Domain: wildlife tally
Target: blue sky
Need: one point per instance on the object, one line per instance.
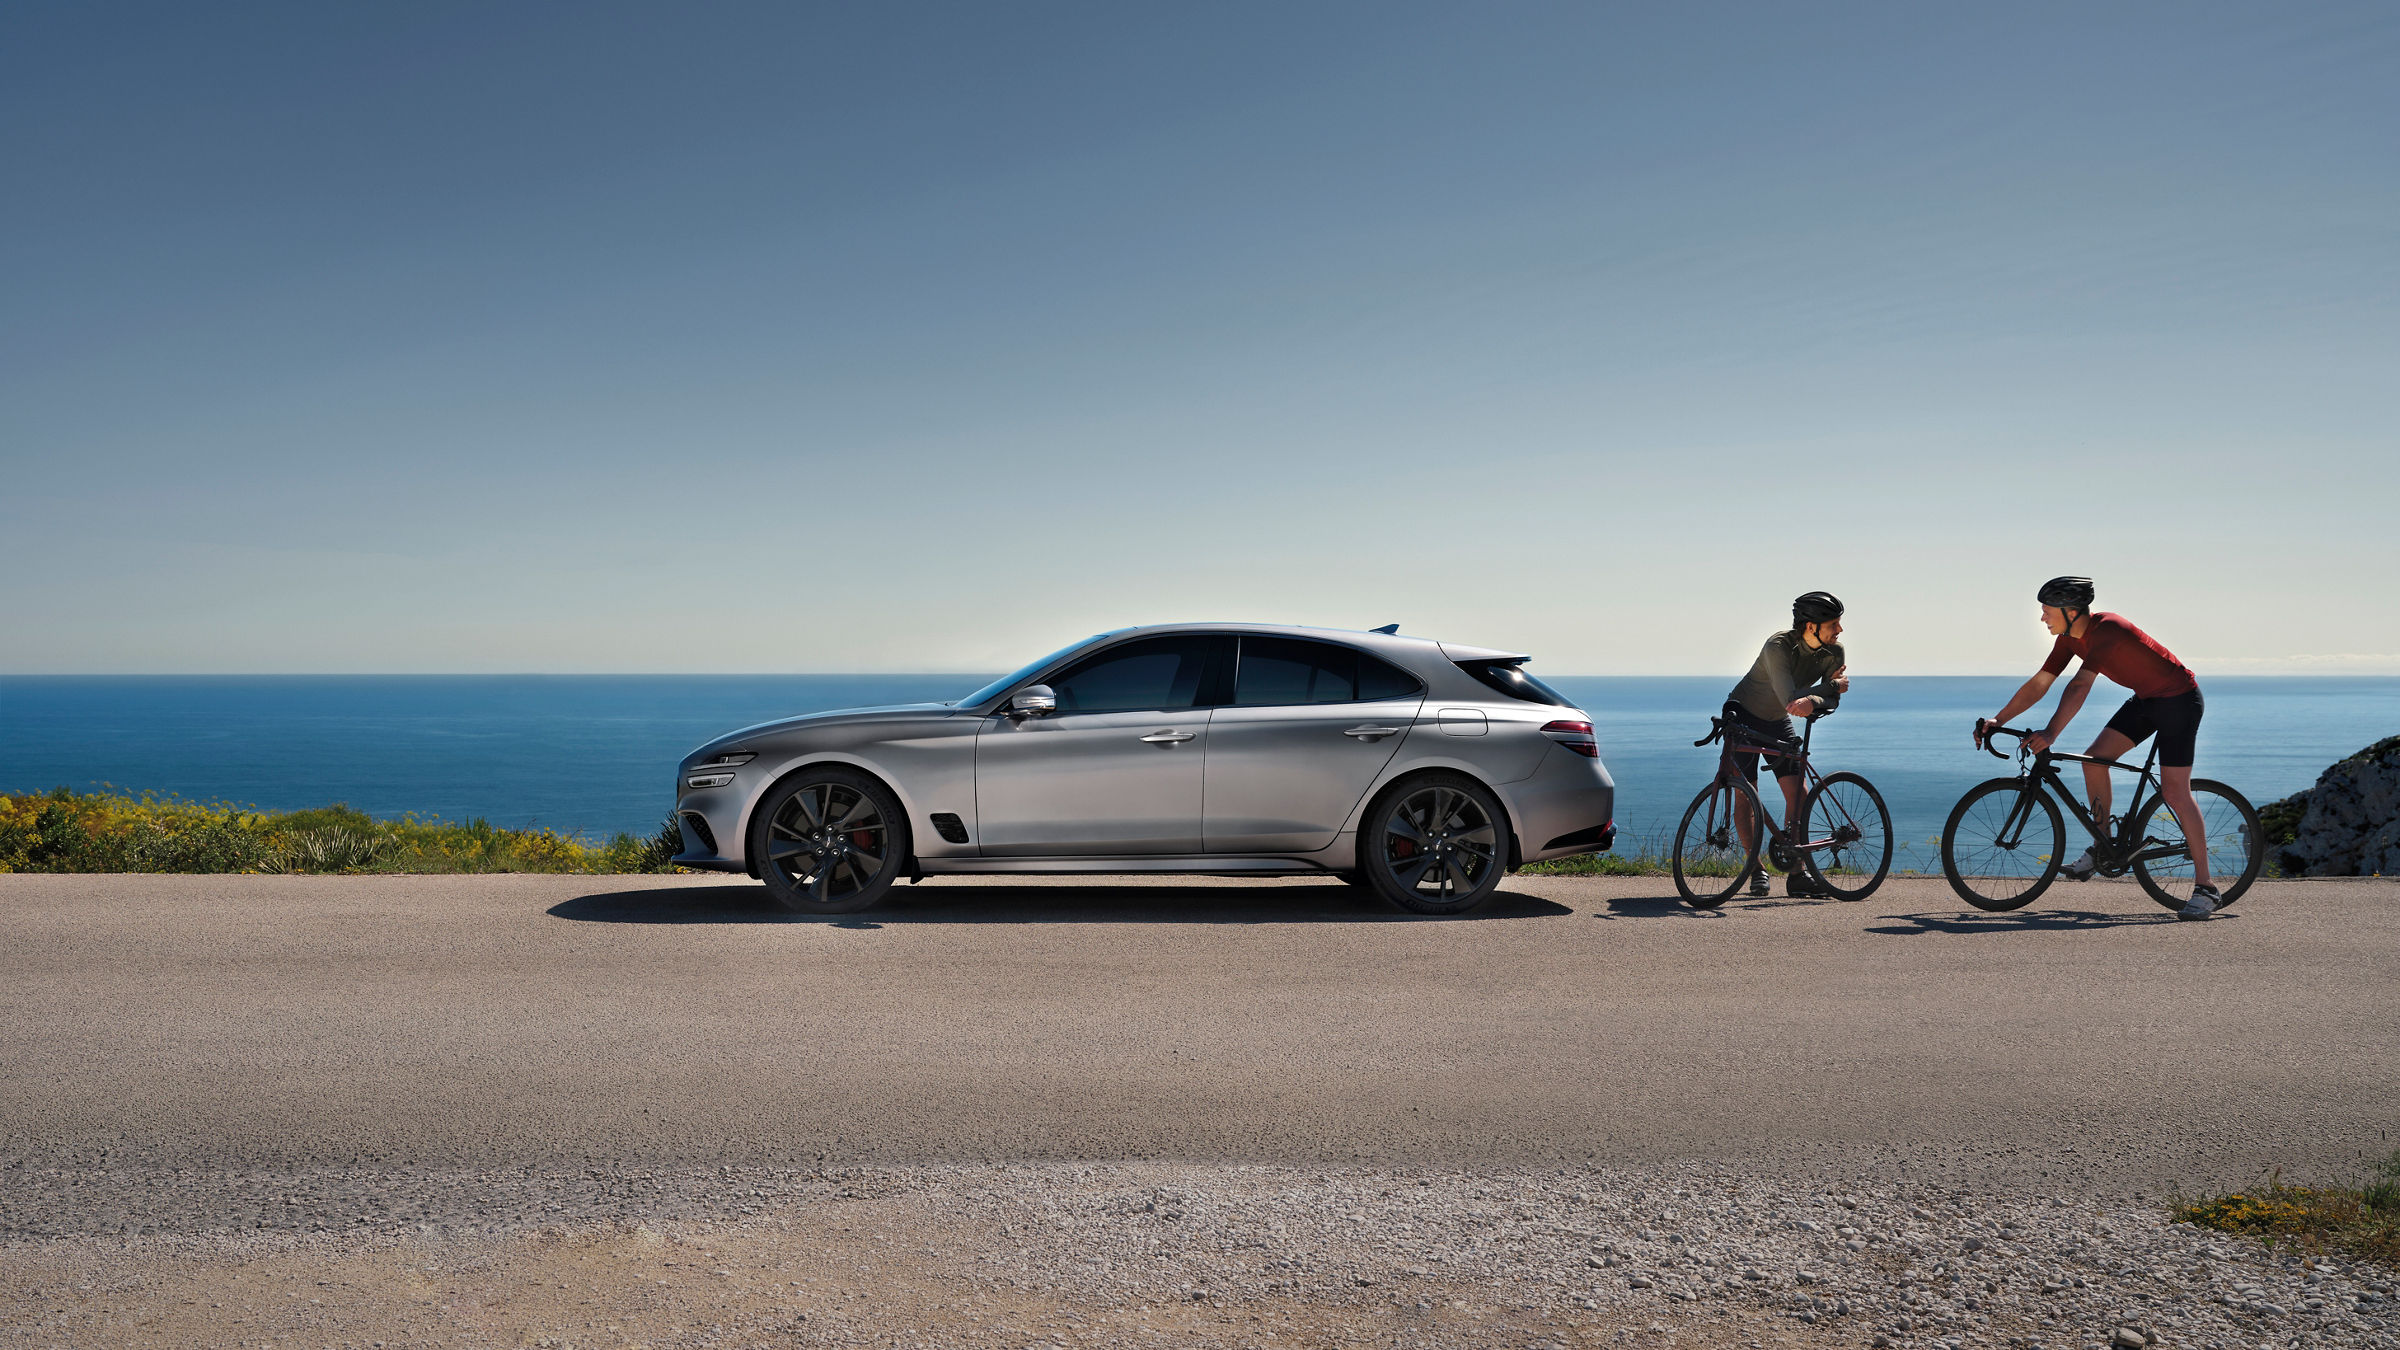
(741, 338)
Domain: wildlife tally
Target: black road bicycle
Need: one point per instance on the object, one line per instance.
(1844, 841)
(2005, 840)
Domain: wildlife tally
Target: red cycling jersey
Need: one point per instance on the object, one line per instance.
(2125, 654)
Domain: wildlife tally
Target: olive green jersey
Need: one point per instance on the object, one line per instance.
(1787, 669)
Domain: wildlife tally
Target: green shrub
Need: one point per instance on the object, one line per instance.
(63, 831)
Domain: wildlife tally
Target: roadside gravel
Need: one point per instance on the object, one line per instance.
(1070, 1254)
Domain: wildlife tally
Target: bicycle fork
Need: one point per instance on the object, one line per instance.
(2012, 830)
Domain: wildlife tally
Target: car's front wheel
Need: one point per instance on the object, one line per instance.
(1435, 844)
(829, 841)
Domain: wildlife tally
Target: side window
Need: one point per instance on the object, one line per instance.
(1283, 671)
(1161, 673)
(1377, 680)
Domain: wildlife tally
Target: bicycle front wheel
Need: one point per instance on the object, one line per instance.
(1711, 856)
(1847, 813)
(2236, 853)
(2000, 847)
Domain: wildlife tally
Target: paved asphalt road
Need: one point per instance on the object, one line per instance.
(193, 1027)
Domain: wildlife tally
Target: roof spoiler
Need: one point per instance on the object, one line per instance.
(1458, 653)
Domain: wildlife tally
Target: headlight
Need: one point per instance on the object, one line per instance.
(717, 770)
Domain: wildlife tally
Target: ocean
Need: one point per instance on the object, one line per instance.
(595, 754)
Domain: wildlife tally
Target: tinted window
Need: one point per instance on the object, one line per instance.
(1277, 671)
(1009, 681)
(1163, 672)
(1377, 680)
(1510, 678)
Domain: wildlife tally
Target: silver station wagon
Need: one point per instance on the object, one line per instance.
(1423, 770)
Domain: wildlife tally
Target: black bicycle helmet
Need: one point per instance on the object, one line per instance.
(2067, 592)
(1816, 607)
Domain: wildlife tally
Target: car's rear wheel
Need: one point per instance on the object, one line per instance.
(829, 841)
(1435, 844)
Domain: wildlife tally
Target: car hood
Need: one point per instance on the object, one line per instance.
(750, 737)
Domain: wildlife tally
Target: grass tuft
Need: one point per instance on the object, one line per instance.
(2361, 1221)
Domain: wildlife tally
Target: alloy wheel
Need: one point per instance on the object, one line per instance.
(1439, 844)
(828, 842)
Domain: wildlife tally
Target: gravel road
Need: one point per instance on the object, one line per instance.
(497, 1110)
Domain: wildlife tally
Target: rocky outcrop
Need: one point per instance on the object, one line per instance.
(2348, 825)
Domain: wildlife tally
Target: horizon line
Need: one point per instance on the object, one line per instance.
(2315, 668)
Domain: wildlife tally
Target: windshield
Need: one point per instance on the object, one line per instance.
(1027, 671)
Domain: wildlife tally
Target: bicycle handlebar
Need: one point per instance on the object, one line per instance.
(1990, 728)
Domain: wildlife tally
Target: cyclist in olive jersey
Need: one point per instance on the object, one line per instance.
(1798, 673)
(2166, 702)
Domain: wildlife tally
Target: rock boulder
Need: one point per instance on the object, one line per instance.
(2348, 825)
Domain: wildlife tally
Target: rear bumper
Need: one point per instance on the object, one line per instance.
(1566, 807)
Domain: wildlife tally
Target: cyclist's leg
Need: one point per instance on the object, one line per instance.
(2175, 784)
(2178, 730)
(1745, 821)
(2129, 728)
(1790, 775)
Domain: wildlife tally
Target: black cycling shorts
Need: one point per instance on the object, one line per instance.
(1742, 726)
(2175, 719)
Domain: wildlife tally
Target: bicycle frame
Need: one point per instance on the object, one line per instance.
(1810, 779)
(2042, 771)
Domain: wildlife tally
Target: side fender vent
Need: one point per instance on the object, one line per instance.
(949, 827)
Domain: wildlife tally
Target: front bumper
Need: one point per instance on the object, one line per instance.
(711, 821)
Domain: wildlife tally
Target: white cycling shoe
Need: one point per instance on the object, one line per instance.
(2082, 869)
(2203, 903)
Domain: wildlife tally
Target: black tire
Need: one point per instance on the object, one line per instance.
(2233, 835)
(829, 841)
(1435, 844)
(1993, 873)
(1847, 808)
(1711, 858)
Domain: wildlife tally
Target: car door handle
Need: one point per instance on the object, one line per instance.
(1167, 737)
(1372, 733)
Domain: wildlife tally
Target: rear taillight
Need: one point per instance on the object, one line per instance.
(1575, 736)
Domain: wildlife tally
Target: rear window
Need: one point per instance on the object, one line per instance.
(1510, 678)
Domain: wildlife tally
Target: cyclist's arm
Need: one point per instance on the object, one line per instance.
(2069, 704)
(1787, 689)
(2026, 696)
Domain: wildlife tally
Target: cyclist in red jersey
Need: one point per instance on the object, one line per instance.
(2166, 702)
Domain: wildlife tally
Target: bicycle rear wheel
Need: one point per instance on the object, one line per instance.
(2236, 853)
(2000, 847)
(1847, 810)
(1711, 858)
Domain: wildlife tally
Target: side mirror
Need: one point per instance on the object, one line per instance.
(1034, 700)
